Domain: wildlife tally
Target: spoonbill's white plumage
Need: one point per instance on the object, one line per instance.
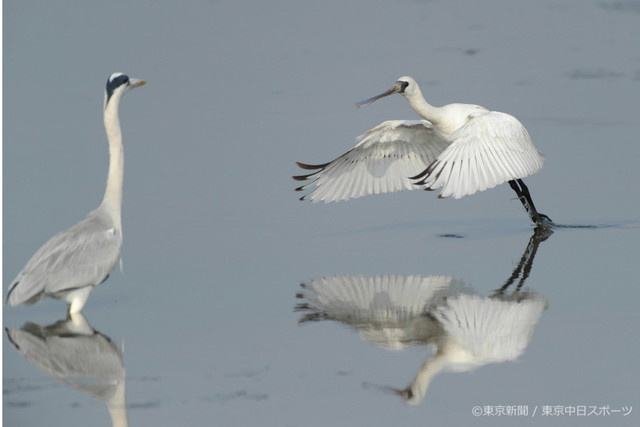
(458, 148)
(75, 260)
(395, 312)
(382, 162)
(388, 311)
(477, 331)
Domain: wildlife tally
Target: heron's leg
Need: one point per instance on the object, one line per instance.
(77, 298)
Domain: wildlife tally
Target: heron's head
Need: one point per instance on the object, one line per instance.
(118, 84)
(405, 86)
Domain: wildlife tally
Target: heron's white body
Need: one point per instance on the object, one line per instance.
(75, 260)
(461, 148)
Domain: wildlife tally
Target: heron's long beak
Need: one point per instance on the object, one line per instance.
(395, 89)
(137, 82)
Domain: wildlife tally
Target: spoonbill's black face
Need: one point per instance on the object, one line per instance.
(401, 86)
(406, 86)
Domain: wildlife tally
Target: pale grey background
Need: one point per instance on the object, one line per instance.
(216, 242)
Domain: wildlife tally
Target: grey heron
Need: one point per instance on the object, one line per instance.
(461, 148)
(75, 260)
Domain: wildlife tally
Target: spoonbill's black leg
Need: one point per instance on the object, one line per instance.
(524, 267)
(525, 198)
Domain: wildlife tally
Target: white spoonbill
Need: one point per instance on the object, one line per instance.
(477, 331)
(461, 148)
(75, 260)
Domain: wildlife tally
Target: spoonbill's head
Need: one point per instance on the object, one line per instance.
(406, 86)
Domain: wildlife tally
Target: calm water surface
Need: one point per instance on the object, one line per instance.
(240, 305)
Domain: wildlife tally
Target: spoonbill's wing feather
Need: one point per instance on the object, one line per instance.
(491, 330)
(383, 298)
(389, 311)
(492, 148)
(82, 255)
(382, 162)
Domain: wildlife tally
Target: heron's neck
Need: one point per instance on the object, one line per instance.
(112, 200)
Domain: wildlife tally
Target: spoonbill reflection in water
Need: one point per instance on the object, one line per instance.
(395, 312)
(460, 148)
(466, 330)
(75, 260)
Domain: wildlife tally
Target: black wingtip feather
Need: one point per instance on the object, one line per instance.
(311, 167)
(11, 288)
(303, 177)
(421, 174)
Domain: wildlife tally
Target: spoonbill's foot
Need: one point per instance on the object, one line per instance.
(544, 221)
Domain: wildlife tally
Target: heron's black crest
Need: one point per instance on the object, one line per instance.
(115, 81)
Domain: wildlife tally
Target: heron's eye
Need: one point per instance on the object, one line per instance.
(403, 86)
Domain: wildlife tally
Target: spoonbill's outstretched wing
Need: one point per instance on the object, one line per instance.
(382, 162)
(490, 149)
(389, 311)
(490, 330)
(382, 299)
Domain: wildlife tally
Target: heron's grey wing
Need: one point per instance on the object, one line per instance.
(382, 162)
(492, 148)
(82, 255)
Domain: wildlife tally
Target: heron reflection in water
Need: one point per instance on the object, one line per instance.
(73, 353)
(467, 331)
